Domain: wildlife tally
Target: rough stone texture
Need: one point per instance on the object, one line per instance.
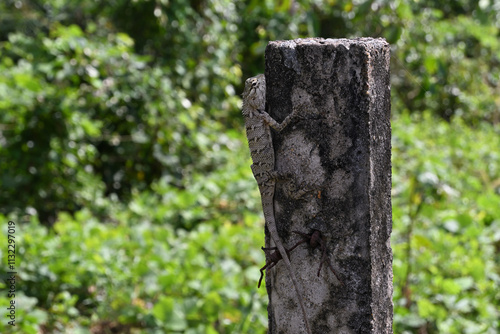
(338, 150)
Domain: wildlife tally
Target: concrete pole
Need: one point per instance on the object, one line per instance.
(337, 158)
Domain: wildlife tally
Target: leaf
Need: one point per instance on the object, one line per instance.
(450, 286)
(170, 312)
(425, 308)
(452, 225)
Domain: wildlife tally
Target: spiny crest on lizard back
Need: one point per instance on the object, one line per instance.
(254, 94)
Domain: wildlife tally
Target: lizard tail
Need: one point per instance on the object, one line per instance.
(271, 226)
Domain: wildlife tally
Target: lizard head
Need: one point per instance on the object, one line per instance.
(254, 95)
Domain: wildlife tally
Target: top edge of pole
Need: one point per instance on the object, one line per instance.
(367, 41)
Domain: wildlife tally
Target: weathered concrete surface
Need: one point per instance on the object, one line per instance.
(338, 150)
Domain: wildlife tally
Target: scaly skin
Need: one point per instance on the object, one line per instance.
(258, 125)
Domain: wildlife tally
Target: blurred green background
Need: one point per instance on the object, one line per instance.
(124, 162)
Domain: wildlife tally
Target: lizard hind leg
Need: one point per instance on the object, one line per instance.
(274, 258)
(333, 271)
(267, 266)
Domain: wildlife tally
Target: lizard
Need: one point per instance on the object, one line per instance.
(258, 124)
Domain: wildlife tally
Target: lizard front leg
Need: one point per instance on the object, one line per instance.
(273, 123)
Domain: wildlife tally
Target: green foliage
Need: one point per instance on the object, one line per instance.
(455, 72)
(102, 108)
(137, 275)
(446, 221)
(127, 140)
